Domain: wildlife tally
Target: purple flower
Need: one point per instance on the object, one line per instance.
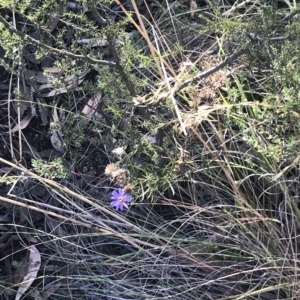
(120, 198)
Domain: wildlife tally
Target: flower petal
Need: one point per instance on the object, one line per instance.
(127, 198)
(120, 205)
(122, 192)
(125, 205)
(115, 203)
(115, 195)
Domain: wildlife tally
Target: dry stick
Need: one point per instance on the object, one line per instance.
(179, 86)
(18, 107)
(53, 50)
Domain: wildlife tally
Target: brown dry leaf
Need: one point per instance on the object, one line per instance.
(70, 83)
(56, 142)
(43, 109)
(92, 105)
(36, 76)
(52, 23)
(101, 42)
(33, 266)
(22, 270)
(56, 136)
(53, 70)
(47, 60)
(55, 93)
(193, 7)
(74, 82)
(30, 56)
(23, 124)
(48, 291)
(46, 86)
(97, 16)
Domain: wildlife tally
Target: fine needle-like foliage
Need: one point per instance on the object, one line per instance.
(150, 149)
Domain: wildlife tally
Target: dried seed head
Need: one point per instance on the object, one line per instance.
(120, 176)
(116, 174)
(119, 152)
(128, 188)
(110, 169)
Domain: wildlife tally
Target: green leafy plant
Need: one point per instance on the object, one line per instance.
(54, 169)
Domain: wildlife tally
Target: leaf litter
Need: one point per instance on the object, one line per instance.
(30, 271)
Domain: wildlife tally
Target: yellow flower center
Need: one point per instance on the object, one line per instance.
(121, 199)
